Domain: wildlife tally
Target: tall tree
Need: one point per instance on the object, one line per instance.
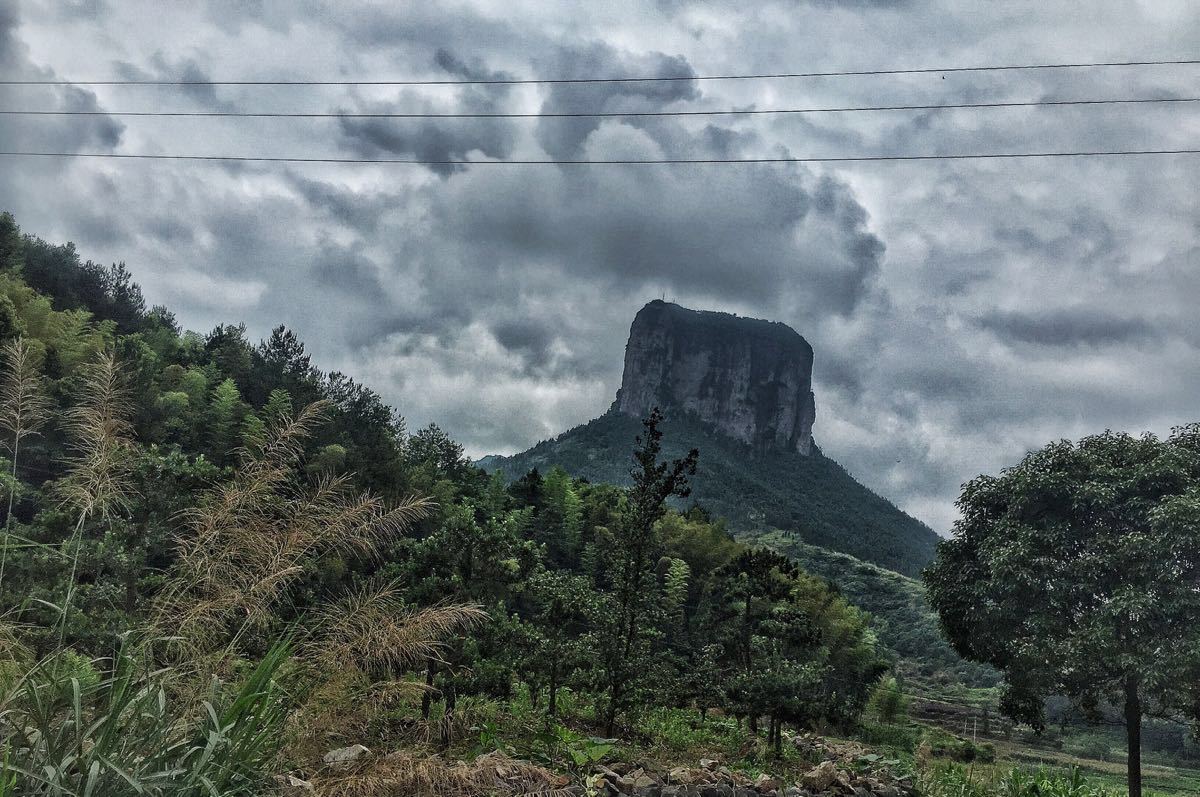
(653, 483)
(1077, 572)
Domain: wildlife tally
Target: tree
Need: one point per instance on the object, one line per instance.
(1075, 572)
(225, 413)
(653, 483)
(561, 607)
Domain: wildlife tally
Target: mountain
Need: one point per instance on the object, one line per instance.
(740, 390)
(750, 379)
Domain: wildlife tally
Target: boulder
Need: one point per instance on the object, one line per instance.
(765, 782)
(820, 777)
(345, 755)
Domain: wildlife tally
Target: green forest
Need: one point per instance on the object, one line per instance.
(197, 519)
(224, 571)
(811, 496)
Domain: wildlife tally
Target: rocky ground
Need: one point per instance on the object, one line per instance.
(845, 769)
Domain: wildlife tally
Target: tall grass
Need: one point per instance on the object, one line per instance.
(944, 779)
(110, 728)
(189, 704)
(24, 410)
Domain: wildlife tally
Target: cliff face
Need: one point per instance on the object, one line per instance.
(750, 379)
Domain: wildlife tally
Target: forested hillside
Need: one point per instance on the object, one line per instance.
(192, 517)
(899, 610)
(810, 496)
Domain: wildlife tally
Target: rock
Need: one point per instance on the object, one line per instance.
(291, 786)
(820, 777)
(794, 791)
(750, 379)
(709, 763)
(345, 755)
(765, 782)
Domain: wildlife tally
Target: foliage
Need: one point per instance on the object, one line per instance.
(953, 780)
(810, 497)
(888, 702)
(123, 733)
(1067, 570)
(189, 500)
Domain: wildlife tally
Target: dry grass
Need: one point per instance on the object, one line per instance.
(101, 442)
(410, 775)
(254, 536)
(24, 410)
(358, 646)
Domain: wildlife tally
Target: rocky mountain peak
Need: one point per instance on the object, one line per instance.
(751, 379)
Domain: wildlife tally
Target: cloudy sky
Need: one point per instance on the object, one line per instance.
(961, 312)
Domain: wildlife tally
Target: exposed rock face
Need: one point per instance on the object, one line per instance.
(750, 379)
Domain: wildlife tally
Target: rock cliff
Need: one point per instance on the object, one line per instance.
(750, 379)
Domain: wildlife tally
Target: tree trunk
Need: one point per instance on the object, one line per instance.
(1133, 731)
(553, 706)
(427, 695)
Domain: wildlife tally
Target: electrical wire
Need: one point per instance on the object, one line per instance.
(642, 79)
(599, 114)
(603, 162)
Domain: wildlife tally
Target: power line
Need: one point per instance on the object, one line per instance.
(643, 79)
(609, 162)
(597, 114)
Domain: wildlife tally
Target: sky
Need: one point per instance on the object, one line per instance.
(961, 312)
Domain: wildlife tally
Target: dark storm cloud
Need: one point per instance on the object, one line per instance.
(188, 70)
(431, 139)
(1073, 326)
(47, 133)
(359, 210)
(563, 137)
(496, 300)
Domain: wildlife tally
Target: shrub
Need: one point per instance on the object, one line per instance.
(122, 733)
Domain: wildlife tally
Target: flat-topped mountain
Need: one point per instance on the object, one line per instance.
(748, 379)
(740, 390)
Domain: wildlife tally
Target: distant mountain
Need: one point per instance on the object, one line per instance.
(739, 390)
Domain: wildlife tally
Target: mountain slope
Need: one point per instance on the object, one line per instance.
(899, 609)
(812, 497)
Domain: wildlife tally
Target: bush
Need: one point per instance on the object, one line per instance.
(888, 703)
(945, 745)
(897, 737)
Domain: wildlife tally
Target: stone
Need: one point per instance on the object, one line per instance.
(765, 782)
(345, 755)
(292, 786)
(750, 379)
(820, 777)
(709, 763)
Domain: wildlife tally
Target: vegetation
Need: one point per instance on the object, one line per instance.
(220, 563)
(900, 612)
(810, 497)
(1070, 571)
